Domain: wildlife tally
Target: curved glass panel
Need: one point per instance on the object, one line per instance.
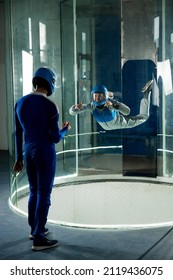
(119, 44)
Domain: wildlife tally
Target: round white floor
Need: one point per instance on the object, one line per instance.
(110, 204)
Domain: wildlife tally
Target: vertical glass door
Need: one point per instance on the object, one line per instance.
(91, 55)
(69, 82)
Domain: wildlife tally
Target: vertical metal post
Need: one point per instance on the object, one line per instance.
(75, 80)
(163, 93)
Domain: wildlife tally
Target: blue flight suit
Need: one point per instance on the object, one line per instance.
(37, 118)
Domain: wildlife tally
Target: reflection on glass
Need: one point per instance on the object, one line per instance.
(30, 35)
(27, 72)
(42, 32)
(83, 61)
(156, 31)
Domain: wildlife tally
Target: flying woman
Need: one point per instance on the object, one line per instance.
(110, 113)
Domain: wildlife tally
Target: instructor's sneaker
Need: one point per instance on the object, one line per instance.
(43, 244)
(147, 87)
(46, 231)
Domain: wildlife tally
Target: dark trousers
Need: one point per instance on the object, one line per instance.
(40, 166)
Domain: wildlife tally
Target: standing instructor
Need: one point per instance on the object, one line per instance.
(37, 118)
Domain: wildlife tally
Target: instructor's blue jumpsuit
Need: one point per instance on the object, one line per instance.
(37, 118)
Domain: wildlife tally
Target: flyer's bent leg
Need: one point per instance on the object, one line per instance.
(143, 115)
(144, 111)
(129, 122)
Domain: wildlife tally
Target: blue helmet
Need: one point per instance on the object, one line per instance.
(100, 89)
(49, 77)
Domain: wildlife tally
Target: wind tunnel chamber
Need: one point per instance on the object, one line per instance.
(122, 45)
(124, 63)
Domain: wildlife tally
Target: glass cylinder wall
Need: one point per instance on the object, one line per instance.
(121, 44)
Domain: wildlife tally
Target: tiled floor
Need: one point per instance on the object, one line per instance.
(76, 243)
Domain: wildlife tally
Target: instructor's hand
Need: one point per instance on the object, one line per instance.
(66, 124)
(18, 166)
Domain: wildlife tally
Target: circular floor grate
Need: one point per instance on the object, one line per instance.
(110, 204)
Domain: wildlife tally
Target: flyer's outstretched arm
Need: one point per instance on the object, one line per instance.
(79, 108)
